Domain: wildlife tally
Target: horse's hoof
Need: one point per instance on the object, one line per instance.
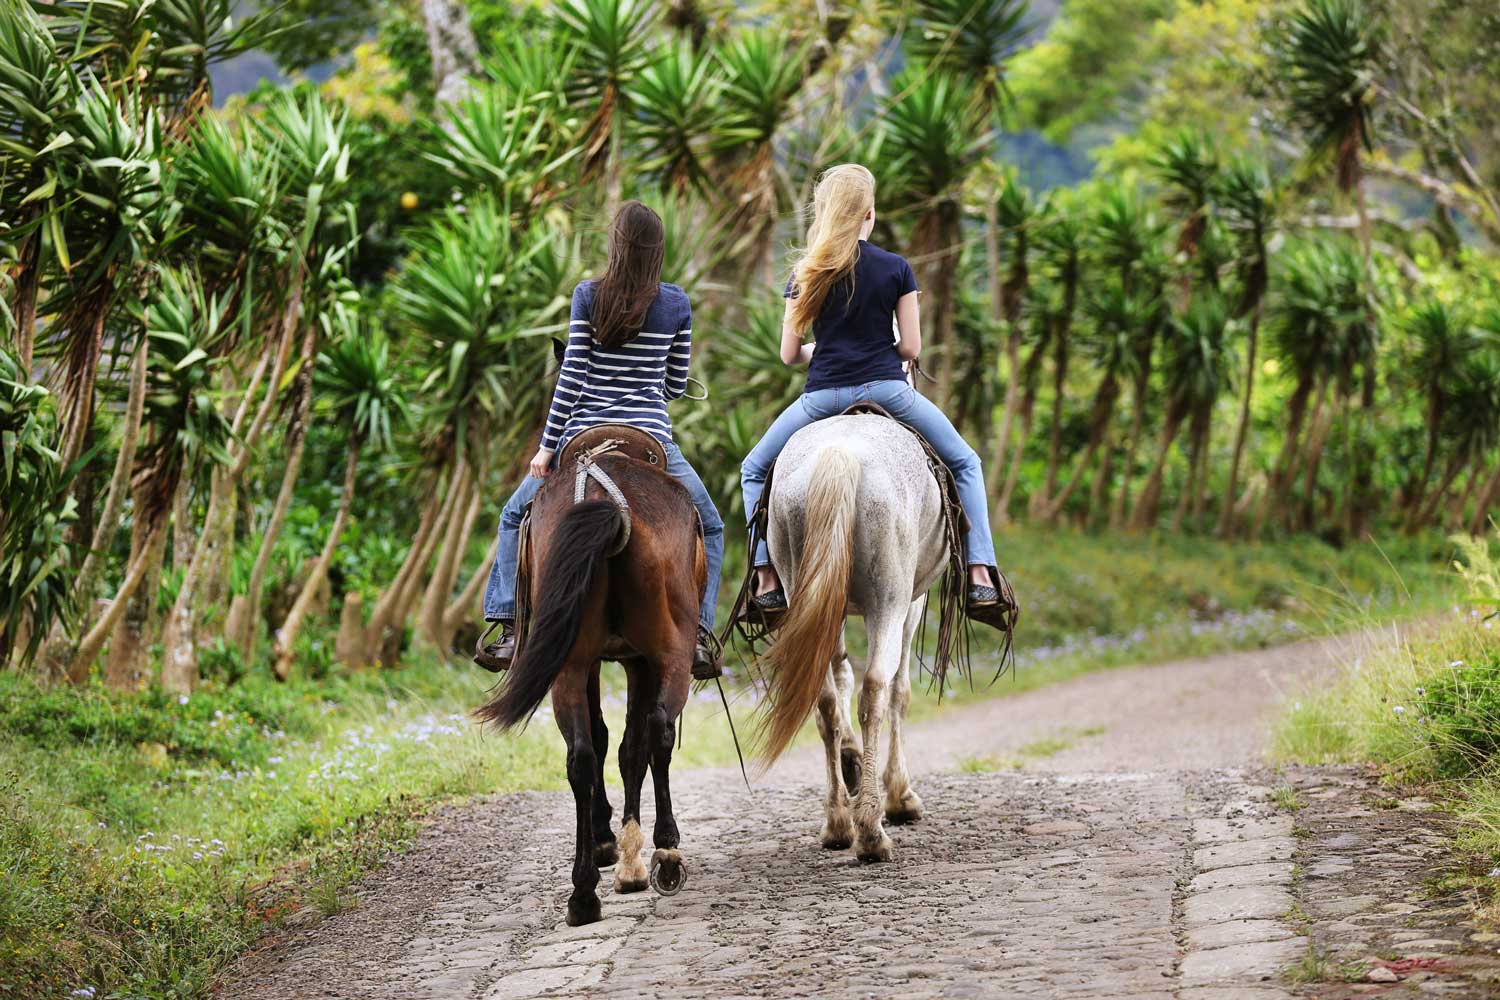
(875, 853)
(837, 836)
(583, 911)
(668, 873)
(630, 883)
(908, 810)
(835, 842)
(849, 763)
(606, 854)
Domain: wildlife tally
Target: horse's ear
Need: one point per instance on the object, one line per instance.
(558, 349)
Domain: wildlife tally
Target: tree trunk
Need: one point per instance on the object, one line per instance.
(1018, 454)
(1059, 388)
(126, 668)
(1144, 515)
(455, 540)
(28, 281)
(1312, 460)
(1099, 418)
(349, 647)
(1435, 502)
(1487, 498)
(450, 42)
(1242, 431)
(255, 591)
(388, 612)
(77, 395)
(286, 636)
(93, 641)
(59, 650)
(1140, 393)
(1098, 489)
(1281, 472)
(182, 524)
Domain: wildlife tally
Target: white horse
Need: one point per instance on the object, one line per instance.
(856, 526)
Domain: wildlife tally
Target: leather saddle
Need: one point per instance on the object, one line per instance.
(632, 442)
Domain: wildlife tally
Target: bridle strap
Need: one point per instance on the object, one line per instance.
(589, 469)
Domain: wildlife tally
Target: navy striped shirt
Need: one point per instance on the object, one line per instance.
(629, 384)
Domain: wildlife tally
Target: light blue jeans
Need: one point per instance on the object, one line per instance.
(908, 406)
(500, 592)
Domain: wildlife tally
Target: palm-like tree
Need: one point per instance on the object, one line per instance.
(972, 39)
(477, 289)
(613, 38)
(1008, 219)
(1327, 55)
(763, 71)
(366, 400)
(183, 324)
(1470, 426)
(1196, 371)
(1188, 167)
(1247, 197)
(1441, 338)
(1061, 243)
(932, 133)
(1309, 316)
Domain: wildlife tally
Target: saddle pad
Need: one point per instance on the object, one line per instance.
(631, 442)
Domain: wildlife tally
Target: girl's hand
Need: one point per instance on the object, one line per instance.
(541, 463)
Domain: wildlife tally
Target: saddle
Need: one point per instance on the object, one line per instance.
(632, 442)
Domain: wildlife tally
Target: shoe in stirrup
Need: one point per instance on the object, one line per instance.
(994, 606)
(496, 656)
(765, 610)
(706, 655)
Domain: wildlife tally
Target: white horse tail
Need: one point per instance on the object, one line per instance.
(807, 640)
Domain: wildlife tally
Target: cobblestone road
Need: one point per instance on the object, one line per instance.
(1109, 879)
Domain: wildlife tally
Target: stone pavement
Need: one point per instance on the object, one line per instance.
(1229, 883)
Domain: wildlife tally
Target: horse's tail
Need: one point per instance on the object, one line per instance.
(579, 546)
(807, 640)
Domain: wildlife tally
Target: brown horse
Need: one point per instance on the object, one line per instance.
(613, 584)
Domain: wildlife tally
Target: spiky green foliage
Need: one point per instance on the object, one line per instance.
(675, 100)
(972, 38)
(1327, 57)
(35, 586)
(931, 134)
(359, 383)
(762, 72)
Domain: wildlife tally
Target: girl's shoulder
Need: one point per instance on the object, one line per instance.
(882, 255)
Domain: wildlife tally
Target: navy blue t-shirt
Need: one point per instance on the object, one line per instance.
(856, 336)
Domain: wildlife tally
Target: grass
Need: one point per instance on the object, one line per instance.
(147, 840)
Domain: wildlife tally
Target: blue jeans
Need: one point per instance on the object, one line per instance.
(500, 593)
(908, 406)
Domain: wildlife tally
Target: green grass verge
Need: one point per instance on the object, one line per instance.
(147, 841)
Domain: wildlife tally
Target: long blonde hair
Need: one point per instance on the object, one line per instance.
(844, 196)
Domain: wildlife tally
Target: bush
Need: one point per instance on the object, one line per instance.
(1460, 713)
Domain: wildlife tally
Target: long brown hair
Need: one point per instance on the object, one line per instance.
(631, 279)
(844, 196)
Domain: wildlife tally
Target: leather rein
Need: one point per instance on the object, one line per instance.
(588, 468)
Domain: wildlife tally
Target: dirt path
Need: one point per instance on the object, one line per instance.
(1112, 836)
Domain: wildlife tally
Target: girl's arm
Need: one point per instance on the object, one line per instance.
(678, 358)
(793, 350)
(909, 323)
(570, 381)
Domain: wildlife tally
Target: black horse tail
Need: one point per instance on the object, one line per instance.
(577, 552)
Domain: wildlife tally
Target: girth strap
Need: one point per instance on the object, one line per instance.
(588, 469)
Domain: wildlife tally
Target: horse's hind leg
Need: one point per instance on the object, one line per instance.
(635, 754)
(901, 803)
(849, 748)
(570, 706)
(832, 715)
(676, 676)
(886, 629)
(605, 850)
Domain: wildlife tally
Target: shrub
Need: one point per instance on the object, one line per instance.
(1460, 713)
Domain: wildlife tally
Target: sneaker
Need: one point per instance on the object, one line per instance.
(992, 606)
(496, 656)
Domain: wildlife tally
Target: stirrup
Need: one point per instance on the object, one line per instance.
(494, 656)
